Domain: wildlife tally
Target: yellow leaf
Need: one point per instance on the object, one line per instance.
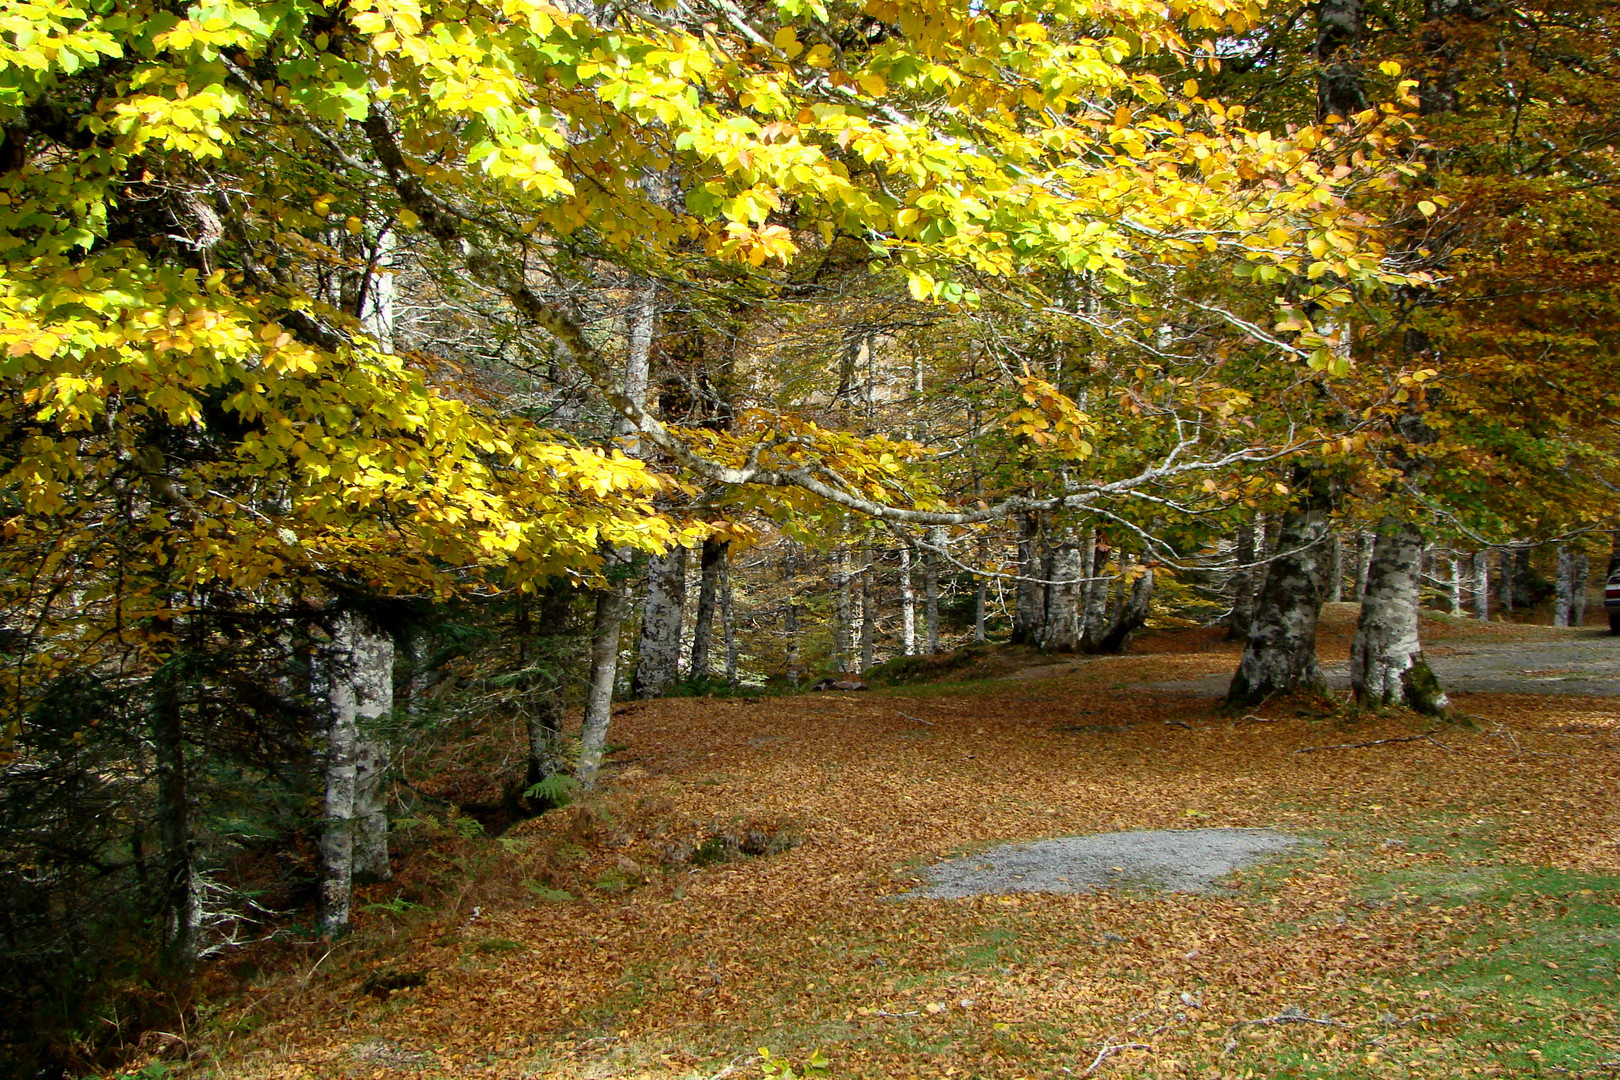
(1428, 208)
(1390, 68)
(873, 84)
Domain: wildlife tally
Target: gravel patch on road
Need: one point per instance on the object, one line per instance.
(1171, 860)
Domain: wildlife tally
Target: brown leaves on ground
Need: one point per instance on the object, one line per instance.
(596, 945)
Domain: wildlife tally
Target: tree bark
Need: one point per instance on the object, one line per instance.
(1031, 596)
(610, 602)
(930, 563)
(1364, 554)
(1506, 584)
(981, 592)
(1132, 613)
(610, 608)
(710, 567)
(843, 612)
(1064, 600)
(728, 621)
(659, 656)
(1564, 599)
(868, 613)
(1482, 586)
(1094, 626)
(790, 616)
(1335, 580)
(908, 606)
(1386, 657)
(1279, 655)
(1583, 571)
(359, 682)
(180, 902)
(1244, 578)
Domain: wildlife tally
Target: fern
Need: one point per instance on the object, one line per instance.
(558, 789)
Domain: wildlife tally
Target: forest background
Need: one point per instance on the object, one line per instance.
(373, 370)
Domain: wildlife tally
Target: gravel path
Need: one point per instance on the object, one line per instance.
(1174, 860)
(1580, 662)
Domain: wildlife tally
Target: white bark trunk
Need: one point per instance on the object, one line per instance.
(1279, 655)
(1245, 583)
(1482, 586)
(359, 682)
(869, 614)
(908, 606)
(1335, 581)
(711, 564)
(843, 611)
(1386, 657)
(1063, 605)
(659, 656)
(1456, 583)
(1094, 626)
(610, 606)
(1583, 571)
(611, 603)
(1364, 561)
(1564, 600)
(931, 593)
(981, 593)
(1031, 596)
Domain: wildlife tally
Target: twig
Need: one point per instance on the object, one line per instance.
(1262, 719)
(1113, 1048)
(1444, 747)
(1292, 1015)
(1178, 723)
(896, 1016)
(1360, 745)
(736, 1062)
(919, 719)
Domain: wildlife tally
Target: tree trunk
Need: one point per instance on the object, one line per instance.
(1244, 578)
(980, 590)
(181, 907)
(1279, 655)
(1564, 600)
(908, 606)
(1064, 600)
(659, 656)
(710, 566)
(1482, 586)
(868, 613)
(610, 608)
(1335, 581)
(728, 621)
(359, 682)
(930, 563)
(1132, 612)
(611, 603)
(1386, 657)
(843, 612)
(1506, 584)
(1364, 556)
(1031, 596)
(1583, 570)
(1094, 626)
(790, 616)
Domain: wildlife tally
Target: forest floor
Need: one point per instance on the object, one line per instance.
(1450, 911)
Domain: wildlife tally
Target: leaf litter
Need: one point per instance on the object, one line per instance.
(1455, 916)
